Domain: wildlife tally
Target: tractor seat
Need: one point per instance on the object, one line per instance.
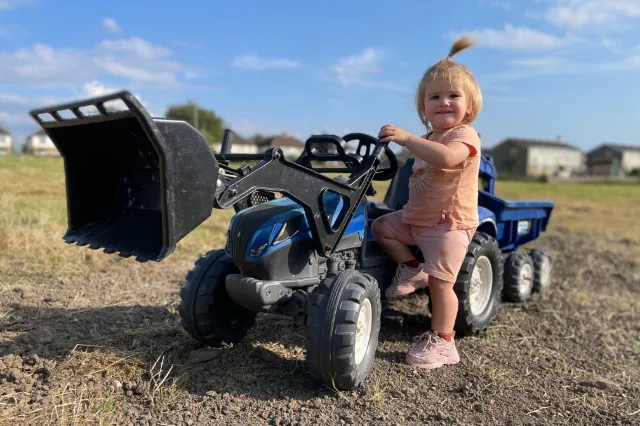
(397, 195)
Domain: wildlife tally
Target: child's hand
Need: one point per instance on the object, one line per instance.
(390, 132)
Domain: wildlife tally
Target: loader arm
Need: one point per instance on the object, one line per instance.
(137, 184)
(306, 187)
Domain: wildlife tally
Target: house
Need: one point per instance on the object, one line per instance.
(239, 145)
(6, 142)
(519, 157)
(39, 144)
(617, 160)
(291, 147)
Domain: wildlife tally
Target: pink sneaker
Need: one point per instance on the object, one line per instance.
(406, 281)
(433, 351)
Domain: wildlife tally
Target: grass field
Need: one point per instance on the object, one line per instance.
(81, 330)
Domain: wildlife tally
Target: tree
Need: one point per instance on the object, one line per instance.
(258, 138)
(209, 124)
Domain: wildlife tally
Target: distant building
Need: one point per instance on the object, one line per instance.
(614, 160)
(238, 146)
(291, 147)
(39, 144)
(518, 157)
(6, 142)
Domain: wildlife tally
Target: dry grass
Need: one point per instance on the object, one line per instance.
(112, 350)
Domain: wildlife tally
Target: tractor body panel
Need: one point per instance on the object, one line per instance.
(273, 240)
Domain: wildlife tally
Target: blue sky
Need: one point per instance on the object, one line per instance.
(546, 67)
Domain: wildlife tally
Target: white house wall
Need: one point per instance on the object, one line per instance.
(630, 161)
(6, 142)
(238, 148)
(549, 160)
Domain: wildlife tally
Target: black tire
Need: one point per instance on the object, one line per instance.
(541, 275)
(518, 277)
(208, 314)
(332, 329)
(469, 322)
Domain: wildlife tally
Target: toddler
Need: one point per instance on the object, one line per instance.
(441, 215)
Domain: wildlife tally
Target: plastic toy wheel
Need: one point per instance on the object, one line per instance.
(208, 314)
(479, 285)
(518, 277)
(342, 329)
(542, 269)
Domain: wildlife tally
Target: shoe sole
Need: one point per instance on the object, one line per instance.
(418, 364)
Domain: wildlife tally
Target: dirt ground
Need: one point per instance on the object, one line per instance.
(86, 338)
(107, 348)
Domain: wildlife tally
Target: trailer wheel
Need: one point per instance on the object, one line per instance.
(342, 329)
(208, 314)
(542, 269)
(518, 277)
(479, 285)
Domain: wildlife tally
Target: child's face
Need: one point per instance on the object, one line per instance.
(445, 104)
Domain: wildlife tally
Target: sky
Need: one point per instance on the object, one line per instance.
(547, 68)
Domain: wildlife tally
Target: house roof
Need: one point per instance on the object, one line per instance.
(540, 142)
(282, 140)
(39, 132)
(239, 140)
(618, 147)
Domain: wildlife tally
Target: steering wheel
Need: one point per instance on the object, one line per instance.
(369, 142)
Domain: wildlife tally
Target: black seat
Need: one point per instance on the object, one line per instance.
(397, 195)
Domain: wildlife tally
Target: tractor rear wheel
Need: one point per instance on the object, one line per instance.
(542, 269)
(518, 277)
(479, 285)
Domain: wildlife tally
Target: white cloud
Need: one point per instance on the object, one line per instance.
(12, 119)
(110, 24)
(133, 59)
(357, 71)
(500, 4)
(520, 38)
(576, 14)
(12, 4)
(353, 69)
(95, 88)
(254, 62)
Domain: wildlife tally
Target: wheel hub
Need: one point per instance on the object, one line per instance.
(363, 330)
(526, 279)
(481, 285)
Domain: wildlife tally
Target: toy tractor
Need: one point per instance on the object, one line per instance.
(300, 241)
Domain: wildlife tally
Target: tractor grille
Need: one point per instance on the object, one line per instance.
(259, 198)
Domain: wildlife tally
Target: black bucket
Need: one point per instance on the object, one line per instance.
(135, 185)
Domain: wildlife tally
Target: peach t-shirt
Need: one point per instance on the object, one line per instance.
(446, 196)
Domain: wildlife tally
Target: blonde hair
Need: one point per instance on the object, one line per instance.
(446, 69)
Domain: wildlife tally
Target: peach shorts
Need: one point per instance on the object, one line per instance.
(443, 249)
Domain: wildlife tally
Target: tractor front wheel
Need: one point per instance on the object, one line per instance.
(342, 329)
(208, 314)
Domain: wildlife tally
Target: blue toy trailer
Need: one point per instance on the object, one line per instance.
(495, 268)
(136, 185)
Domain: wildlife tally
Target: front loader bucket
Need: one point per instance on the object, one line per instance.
(135, 185)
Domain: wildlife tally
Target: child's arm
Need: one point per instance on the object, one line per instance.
(436, 154)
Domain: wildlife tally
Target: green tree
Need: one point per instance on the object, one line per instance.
(209, 124)
(258, 138)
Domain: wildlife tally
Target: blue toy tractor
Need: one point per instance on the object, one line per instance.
(300, 242)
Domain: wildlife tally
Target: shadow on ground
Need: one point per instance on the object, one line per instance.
(268, 364)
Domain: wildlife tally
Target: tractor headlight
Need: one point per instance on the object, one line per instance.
(285, 231)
